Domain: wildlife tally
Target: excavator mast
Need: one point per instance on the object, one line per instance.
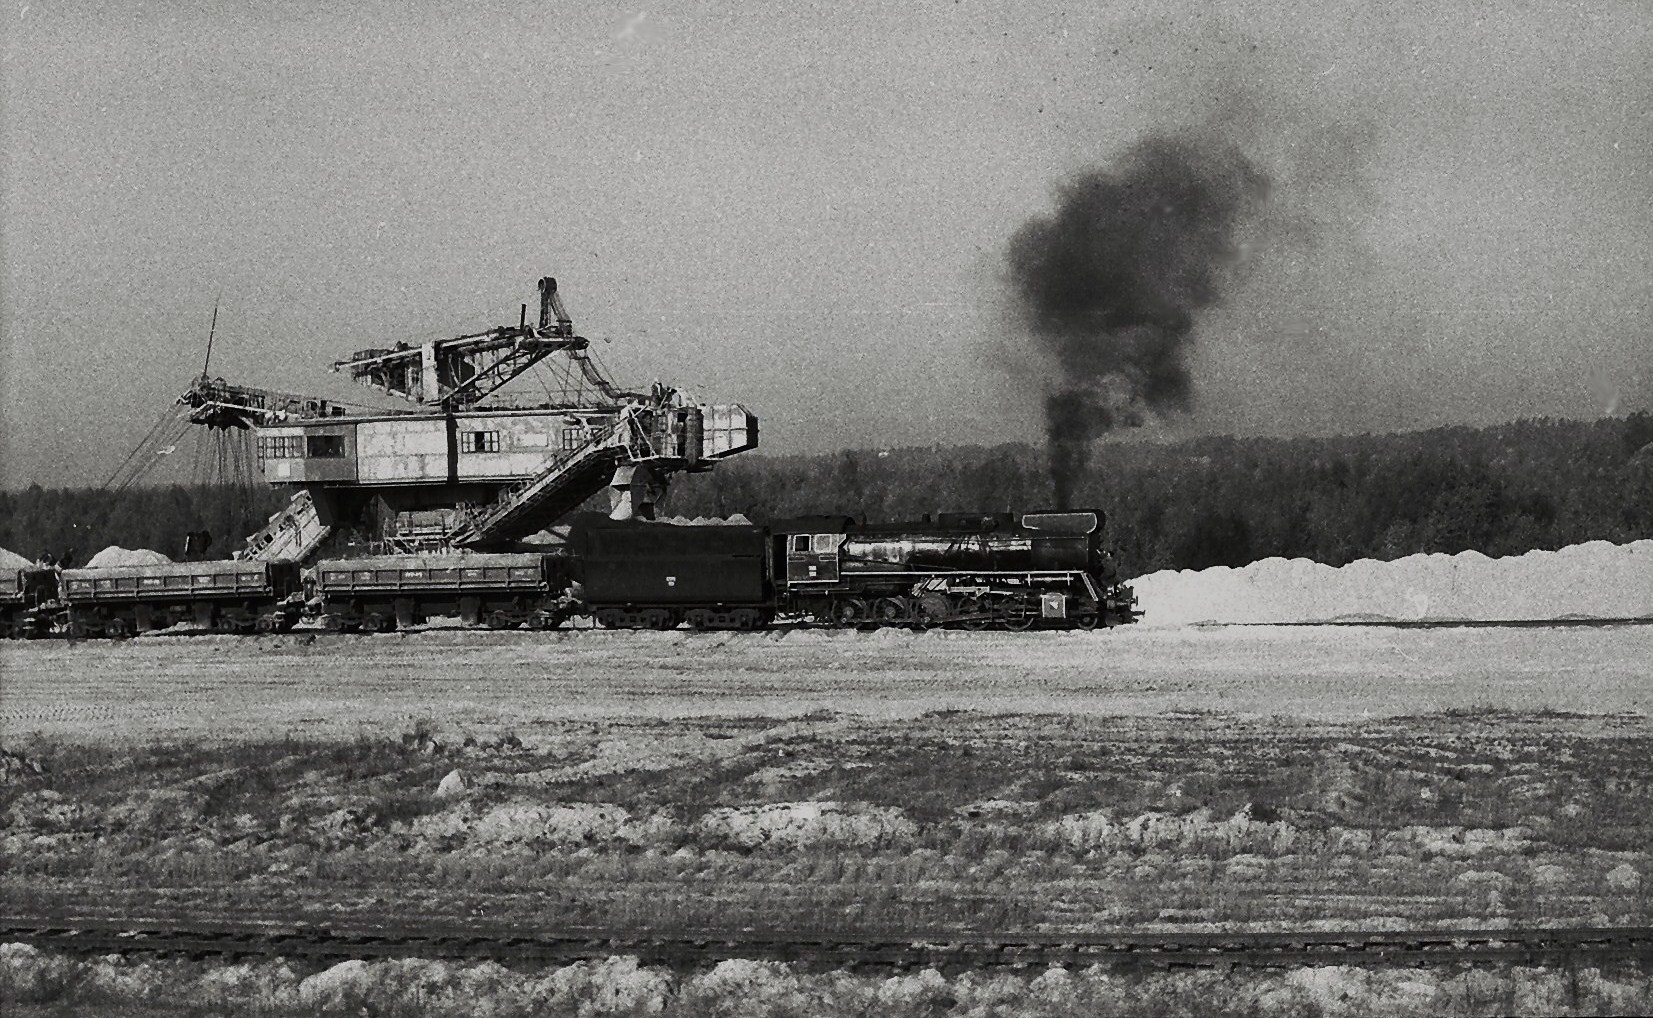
(457, 374)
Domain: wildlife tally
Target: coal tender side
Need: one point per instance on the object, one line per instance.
(637, 574)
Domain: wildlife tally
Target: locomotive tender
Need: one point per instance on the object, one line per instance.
(969, 571)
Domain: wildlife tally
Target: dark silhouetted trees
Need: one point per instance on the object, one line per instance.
(1500, 490)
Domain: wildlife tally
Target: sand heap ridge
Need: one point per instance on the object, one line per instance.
(1596, 580)
(115, 555)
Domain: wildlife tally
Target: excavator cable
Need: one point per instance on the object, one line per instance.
(136, 463)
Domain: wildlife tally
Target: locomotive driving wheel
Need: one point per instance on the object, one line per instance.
(892, 611)
(973, 606)
(848, 611)
(1013, 614)
(931, 609)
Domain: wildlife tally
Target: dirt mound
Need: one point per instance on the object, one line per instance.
(115, 555)
(1585, 581)
(15, 767)
(10, 560)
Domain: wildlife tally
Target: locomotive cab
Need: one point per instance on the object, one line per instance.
(812, 558)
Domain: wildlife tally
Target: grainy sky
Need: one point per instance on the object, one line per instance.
(806, 208)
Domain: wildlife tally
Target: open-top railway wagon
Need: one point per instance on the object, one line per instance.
(382, 593)
(27, 596)
(227, 596)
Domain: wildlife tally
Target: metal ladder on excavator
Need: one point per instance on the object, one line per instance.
(559, 488)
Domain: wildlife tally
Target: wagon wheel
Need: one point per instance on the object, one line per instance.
(610, 618)
(266, 624)
(117, 629)
(973, 606)
(499, 620)
(847, 611)
(1086, 619)
(333, 623)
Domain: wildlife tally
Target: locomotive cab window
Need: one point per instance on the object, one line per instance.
(480, 441)
(826, 544)
(800, 543)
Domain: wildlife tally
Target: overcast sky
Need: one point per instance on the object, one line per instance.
(806, 209)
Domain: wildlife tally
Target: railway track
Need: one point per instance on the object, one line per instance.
(688, 949)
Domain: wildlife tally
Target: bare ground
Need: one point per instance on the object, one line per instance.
(328, 686)
(1205, 777)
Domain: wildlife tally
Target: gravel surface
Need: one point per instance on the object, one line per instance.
(318, 684)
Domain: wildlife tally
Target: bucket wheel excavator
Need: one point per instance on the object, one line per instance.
(456, 471)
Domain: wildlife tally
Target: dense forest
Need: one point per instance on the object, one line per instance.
(1500, 490)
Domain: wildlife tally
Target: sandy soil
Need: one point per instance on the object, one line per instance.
(317, 684)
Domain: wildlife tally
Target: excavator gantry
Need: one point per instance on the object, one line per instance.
(454, 472)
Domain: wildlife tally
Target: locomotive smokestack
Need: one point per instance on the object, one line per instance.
(1110, 285)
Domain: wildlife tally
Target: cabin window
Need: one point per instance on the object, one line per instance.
(282, 447)
(480, 441)
(826, 544)
(325, 447)
(572, 438)
(800, 543)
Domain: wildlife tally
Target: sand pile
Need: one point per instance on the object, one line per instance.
(739, 986)
(1100, 831)
(115, 555)
(1585, 581)
(541, 825)
(10, 560)
(794, 825)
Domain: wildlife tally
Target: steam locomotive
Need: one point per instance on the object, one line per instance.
(960, 570)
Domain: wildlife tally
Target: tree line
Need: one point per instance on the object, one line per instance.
(1189, 504)
(73, 524)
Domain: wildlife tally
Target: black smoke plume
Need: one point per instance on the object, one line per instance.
(1111, 285)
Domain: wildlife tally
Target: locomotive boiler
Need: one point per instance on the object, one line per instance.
(968, 570)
